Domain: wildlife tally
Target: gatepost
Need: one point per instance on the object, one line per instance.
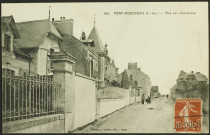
(63, 73)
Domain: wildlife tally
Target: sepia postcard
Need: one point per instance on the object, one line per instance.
(105, 67)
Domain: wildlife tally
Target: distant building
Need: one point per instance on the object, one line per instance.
(136, 75)
(190, 80)
(142, 79)
(154, 89)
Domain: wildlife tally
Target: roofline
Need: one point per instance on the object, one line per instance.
(32, 21)
(65, 20)
(83, 44)
(111, 65)
(92, 52)
(55, 35)
(12, 18)
(23, 52)
(44, 39)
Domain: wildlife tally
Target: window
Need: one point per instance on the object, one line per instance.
(91, 63)
(7, 42)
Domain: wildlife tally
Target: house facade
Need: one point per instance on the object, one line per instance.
(154, 89)
(102, 67)
(12, 57)
(136, 76)
(38, 39)
(191, 80)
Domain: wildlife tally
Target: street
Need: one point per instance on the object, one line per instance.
(156, 117)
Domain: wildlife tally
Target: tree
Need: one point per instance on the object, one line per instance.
(125, 80)
(115, 83)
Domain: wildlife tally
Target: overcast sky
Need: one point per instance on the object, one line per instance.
(162, 44)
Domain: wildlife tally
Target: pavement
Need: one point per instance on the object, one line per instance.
(157, 117)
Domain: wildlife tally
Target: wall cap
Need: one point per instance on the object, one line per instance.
(61, 57)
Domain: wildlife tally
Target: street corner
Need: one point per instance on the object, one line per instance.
(188, 115)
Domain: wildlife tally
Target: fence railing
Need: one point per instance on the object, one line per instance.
(25, 97)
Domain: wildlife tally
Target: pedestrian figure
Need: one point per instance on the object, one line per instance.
(142, 99)
(167, 95)
(148, 100)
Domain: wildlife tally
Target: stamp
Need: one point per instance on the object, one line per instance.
(188, 115)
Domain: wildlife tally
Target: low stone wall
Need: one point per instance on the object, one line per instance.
(138, 99)
(44, 124)
(126, 99)
(107, 106)
(132, 100)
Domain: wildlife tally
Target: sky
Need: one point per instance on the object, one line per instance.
(161, 43)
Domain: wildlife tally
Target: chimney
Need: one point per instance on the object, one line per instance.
(64, 25)
(191, 72)
(53, 19)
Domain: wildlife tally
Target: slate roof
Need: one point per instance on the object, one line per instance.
(34, 32)
(18, 51)
(199, 77)
(94, 35)
(77, 49)
(9, 20)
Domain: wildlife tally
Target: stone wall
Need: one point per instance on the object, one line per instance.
(107, 106)
(44, 124)
(85, 100)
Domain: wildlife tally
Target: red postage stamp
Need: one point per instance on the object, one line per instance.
(188, 115)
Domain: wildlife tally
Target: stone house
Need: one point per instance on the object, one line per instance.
(103, 67)
(12, 56)
(190, 80)
(154, 89)
(38, 39)
(86, 61)
(136, 75)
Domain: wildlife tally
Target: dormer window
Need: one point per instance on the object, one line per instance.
(7, 42)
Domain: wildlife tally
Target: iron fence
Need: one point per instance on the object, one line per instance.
(25, 97)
